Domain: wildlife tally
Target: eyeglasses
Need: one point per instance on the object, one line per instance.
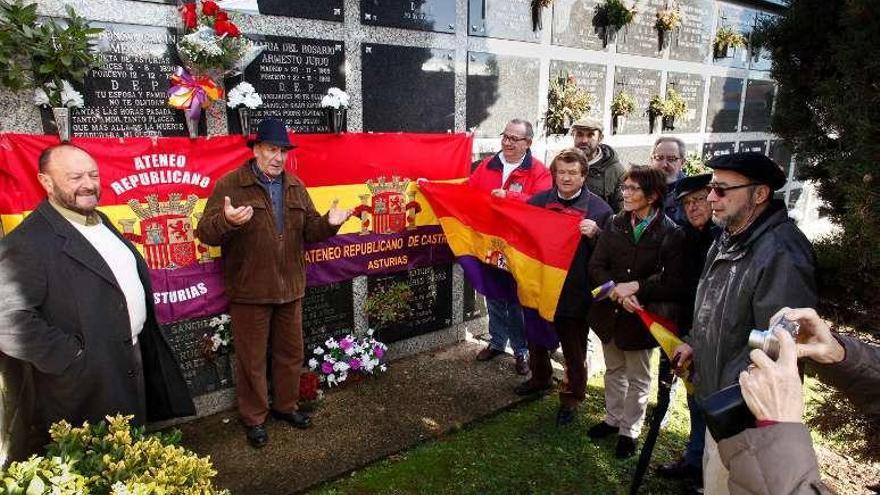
(512, 139)
(666, 158)
(688, 202)
(631, 189)
(721, 191)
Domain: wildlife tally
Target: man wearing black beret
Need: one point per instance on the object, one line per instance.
(761, 262)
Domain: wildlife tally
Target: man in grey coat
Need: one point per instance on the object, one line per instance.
(776, 457)
(760, 263)
(77, 317)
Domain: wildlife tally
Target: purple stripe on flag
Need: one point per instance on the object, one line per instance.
(539, 331)
(492, 282)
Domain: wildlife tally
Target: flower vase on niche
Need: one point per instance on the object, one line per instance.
(61, 116)
(244, 98)
(244, 120)
(335, 119)
(192, 126)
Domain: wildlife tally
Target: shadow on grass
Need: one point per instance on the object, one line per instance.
(522, 451)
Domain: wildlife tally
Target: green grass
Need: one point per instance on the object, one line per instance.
(521, 451)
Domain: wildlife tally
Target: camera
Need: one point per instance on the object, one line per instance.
(767, 342)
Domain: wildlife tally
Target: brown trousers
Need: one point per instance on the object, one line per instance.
(573, 335)
(255, 328)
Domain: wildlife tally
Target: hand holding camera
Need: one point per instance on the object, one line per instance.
(814, 338)
(772, 389)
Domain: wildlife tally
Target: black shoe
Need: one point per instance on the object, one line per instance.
(295, 419)
(626, 447)
(565, 415)
(602, 430)
(488, 353)
(521, 366)
(679, 470)
(529, 387)
(257, 436)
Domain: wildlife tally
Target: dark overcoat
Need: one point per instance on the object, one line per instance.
(59, 297)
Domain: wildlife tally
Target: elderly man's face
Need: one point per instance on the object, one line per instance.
(732, 208)
(71, 179)
(270, 158)
(667, 157)
(514, 142)
(568, 178)
(587, 140)
(696, 208)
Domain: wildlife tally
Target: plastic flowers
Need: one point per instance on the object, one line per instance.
(335, 98)
(192, 94)
(213, 42)
(243, 95)
(348, 355)
(50, 96)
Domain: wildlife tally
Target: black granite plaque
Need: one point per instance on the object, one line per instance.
(407, 88)
(634, 155)
(691, 88)
(328, 10)
(589, 76)
(573, 24)
(291, 75)
(203, 369)
(793, 196)
(328, 311)
(424, 15)
(507, 19)
(754, 146)
(643, 84)
(473, 304)
(430, 305)
(741, 21)
(126, 93)
(693, 40)
(780, 154)
(758, 106)
(500, 88)
(711, 150)
(640, 37)
(725, 94)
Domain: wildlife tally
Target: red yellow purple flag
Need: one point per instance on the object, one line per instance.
(665, 333)
(533, 245)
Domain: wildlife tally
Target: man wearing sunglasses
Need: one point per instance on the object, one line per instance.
(515, 174)
(761, 262)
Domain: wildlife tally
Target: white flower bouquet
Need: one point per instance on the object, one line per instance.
(49, 95)
(243, 95)
(335, 98)
(346, 356)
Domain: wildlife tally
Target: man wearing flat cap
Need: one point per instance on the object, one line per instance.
(605, 170)
(761, 262)
(261, 215)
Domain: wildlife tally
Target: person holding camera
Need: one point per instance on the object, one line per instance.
(776, 457)
(761, 262)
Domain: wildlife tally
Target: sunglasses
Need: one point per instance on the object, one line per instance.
(721, 191)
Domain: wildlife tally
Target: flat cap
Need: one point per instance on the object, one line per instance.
(588, 123)
(756, 166)
(687, 185)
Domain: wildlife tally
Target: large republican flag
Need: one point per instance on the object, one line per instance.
(154, 190)
(508, 249)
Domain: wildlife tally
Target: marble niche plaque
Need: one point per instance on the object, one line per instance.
(725, 94)
(640, 37)
(741, 21)
(430, 303)
(126, 93)
(758, 105)
(754, 146)
(691, 88)
(692, 42)
(474, 305)
(505, 19)
(643, 84)
(573, 24)
(327, 10)
(589, 76)
(424, 15)
(761, 58)
(634, 155)
(327, 311)
(407, 88)
(291, 75)
(203, 370)
(711, 150)
(500, 88)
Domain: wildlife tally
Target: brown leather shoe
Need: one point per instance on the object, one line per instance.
(521, 366)
(488, 353)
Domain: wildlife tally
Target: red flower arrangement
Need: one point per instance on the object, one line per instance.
(309, 384)
(212, 42)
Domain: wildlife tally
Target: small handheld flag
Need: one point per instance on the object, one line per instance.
(603, 291)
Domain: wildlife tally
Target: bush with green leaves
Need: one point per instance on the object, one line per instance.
(615, 13)
(566, 102)
(44, 53)
(112, 458)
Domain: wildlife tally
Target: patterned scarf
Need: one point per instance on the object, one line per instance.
(640, 227)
